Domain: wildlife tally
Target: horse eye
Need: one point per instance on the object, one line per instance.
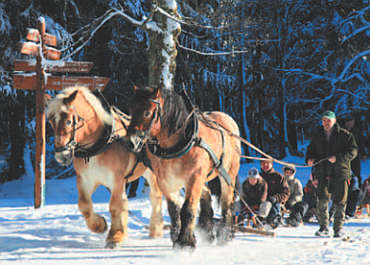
(68, 122)
(146, 114)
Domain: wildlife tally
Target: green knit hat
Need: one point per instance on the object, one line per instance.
(329, 114)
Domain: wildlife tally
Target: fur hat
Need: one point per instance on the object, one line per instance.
(253, 173)
(289, 167)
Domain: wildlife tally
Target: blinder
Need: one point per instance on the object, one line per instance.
(72, 144)
(141, 137)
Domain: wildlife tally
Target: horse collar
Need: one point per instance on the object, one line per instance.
(183, 146)
(106, 139)
(99, 147)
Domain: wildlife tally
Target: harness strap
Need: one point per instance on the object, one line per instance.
(132, 170)
(107, 138)
(222, 155)
(184, 146)
(217, 163)
(99, 147)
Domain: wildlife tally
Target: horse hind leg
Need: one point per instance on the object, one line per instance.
(225, 231)
(205, 221)
(95, 222)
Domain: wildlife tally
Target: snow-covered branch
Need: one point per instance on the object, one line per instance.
(210, 53)
(130, 19)
(313, 76)
(357, 31)
(347, 67)
(107, 16)
(359, 14)
(355, 95)
(191, 22)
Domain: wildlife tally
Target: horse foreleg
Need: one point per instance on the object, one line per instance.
(156, 219)
(174, 212)
(188, 214)
(118, 208)
(95, 222)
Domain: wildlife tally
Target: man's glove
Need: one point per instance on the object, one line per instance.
(272, 199)
(288, 205)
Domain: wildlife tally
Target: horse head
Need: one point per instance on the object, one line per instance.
(76, 117)
(145, 111)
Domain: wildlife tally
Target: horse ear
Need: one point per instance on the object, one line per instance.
(47, 98)
(156, 93)
(68, 100)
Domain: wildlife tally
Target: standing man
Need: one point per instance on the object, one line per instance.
(278, 191)
(350, 125)
(338, 148)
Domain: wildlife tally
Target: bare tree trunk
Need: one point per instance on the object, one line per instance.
(163, 34)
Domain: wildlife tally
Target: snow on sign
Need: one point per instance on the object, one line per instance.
(54, 66)
(31, 74)
(29, 81)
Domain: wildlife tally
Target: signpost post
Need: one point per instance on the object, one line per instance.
(38, 78)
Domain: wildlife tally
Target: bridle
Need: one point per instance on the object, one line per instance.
(144, 135)
(71, 145)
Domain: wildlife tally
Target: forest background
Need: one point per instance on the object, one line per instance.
(274, 66)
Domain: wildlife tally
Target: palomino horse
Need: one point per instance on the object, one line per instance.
(89, 136)
(187, 149)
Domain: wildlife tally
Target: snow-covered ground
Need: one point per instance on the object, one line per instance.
(57, 234)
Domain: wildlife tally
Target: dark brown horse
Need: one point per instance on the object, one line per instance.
(187, 149)
(88, 134)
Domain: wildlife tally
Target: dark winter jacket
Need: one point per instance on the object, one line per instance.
(342, 145)
(277, 186)
(356, 162)
(254, 195)
(310, 194)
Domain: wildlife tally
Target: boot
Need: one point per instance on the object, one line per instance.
(339, 233)
(323, 231)
(275, 222)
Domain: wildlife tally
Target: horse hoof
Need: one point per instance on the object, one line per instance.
(174, 233)
(111, 245)
(101, 225)
(184, 245)
(224, 235)
(207, 236)
(181, 243)
(210, 238)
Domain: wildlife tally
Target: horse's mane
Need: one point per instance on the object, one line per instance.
(174, 112)
(56, 106)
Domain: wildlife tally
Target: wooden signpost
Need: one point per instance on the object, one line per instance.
(35, 75)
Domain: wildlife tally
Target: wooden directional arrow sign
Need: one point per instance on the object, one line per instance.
(54, 66)
(34, 35)
(39, 79)
(29, 81)
(32, 48)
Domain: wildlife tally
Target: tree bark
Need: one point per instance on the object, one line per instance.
(163, 35)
